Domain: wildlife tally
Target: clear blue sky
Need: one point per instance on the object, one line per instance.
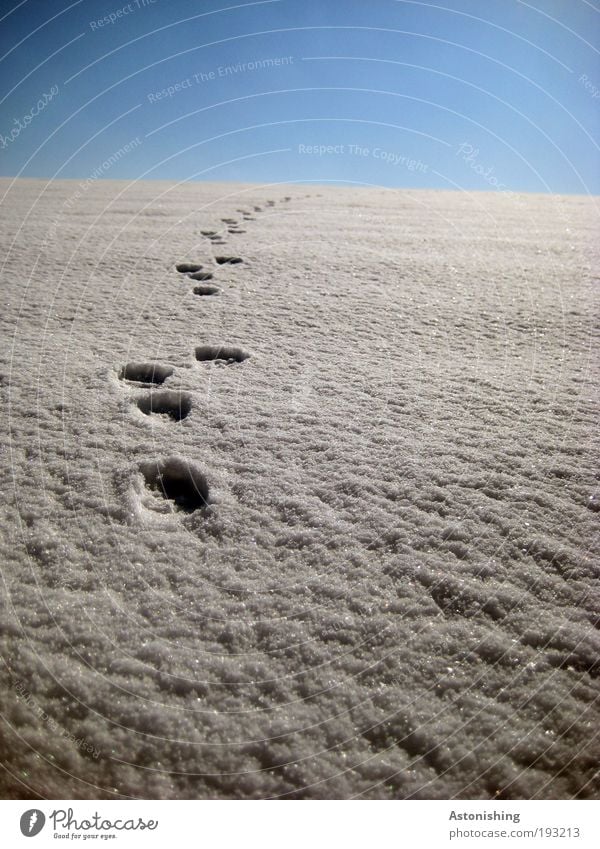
(469, 94)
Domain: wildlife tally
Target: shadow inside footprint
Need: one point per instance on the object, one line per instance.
(179, 481)
(228, 353)
(185, 267)
(145, 373)
(207, 290)
(176, 405)
(201, 275)
(228, 260)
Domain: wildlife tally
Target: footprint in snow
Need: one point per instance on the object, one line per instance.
(145, 373)
(213, 236)
(186, 267)
(207, 290)
(177, 480)
(193, 271)
(201, 275)
(221, 353)
(176, 405)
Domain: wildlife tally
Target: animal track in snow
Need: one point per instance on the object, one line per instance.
(207, 290)
(228, 353)
(201, 275)
(152, 373)
(178, 481)
(213, 236)
(176, 405)
(185, 267)
(228, 260)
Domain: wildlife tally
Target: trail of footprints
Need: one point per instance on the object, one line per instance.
(176, 480)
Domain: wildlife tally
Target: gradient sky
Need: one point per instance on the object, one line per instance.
(464, 94)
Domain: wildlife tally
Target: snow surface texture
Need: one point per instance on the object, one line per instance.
(326, 531)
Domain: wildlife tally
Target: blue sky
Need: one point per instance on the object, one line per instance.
(463, 94)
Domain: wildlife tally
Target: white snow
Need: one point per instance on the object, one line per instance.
(381, 578)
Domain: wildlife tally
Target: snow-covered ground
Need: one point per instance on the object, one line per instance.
(392, 590)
